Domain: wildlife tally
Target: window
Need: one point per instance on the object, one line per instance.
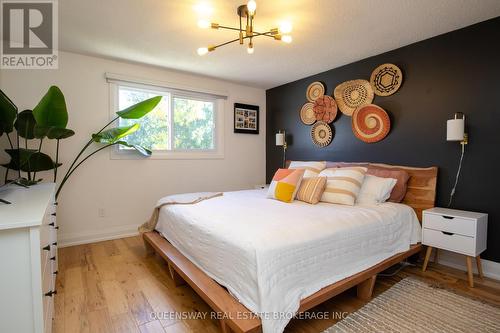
(183, 125)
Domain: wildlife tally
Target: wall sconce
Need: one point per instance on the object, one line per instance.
(455, 131)
(281, 141)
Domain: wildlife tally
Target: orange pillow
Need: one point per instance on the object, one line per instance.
(311, 189)
(285, 184)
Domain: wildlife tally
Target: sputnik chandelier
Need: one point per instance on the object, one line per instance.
(246, 13)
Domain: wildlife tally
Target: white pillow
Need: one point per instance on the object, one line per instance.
(375, 190)
(312, 169)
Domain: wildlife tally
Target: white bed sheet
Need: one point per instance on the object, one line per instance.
(271, 254)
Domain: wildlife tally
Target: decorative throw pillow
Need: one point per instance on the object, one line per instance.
(343, 184)
(285, 184)
(399, 191)
(311, 189)
(312, 169)
(375, 189)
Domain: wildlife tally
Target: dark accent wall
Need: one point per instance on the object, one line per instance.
(455, 72)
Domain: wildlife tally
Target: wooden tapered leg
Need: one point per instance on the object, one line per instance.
(427, 256)
(224, 327)
(469, 271)
(150, 250)
(479, 267)
(365, 288)
(436, 254)
(178, 280)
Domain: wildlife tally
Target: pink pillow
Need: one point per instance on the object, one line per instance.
(399, 191)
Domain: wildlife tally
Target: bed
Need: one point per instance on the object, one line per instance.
(246, 255)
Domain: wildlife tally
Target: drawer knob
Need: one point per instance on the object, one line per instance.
(447, 233)
(55, 243)
(448, 217)
(46, 248)
(51, 293)
(53, 214)
(56, 272)
(52, 224)
(53, 258)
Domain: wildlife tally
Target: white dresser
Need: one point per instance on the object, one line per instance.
(457, 231)
(28, 258)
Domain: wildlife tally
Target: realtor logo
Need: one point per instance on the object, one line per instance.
(29, 34)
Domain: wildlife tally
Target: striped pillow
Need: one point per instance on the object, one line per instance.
(312, 169)
(343, 184)
(311, 189)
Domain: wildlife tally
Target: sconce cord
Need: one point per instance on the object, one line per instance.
(458, 175)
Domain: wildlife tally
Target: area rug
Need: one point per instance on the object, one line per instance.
(414, 306)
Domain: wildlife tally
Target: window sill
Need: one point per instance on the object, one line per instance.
(173, 155)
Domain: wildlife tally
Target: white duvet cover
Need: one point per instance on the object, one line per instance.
(271, 254)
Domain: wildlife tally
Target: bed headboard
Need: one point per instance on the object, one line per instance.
(421, 193)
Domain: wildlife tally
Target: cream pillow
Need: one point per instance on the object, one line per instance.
(375, 189)
(343, 184)
(312, 169)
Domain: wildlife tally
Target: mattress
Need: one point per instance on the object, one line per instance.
(270, 254)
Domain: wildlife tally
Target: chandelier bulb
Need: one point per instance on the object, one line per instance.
(250, 49)
(251, 6)
(202, 51)
(285, 28)
(204, 24)
(287, 39)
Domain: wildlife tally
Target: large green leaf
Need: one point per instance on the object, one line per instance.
(140, 109)
(25, 124)
(29, 160)
(39, 162)
(142, 150)
(18, 157)
(112, 135)
(52, 132)
(8, 113)
(51, 110)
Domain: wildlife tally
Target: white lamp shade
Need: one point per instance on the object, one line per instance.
(455, 129)
(280, 139)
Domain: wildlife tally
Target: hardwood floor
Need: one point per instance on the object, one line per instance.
(113, 286)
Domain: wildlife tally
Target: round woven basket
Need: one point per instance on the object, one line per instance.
(325, 109)
(321, 134)
(314, 91)
(386, 79)
(307, 113)
(370, 123)
(352, 94)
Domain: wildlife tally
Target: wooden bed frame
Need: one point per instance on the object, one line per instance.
(420, 195)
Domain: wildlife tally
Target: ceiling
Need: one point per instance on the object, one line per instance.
(326, 33)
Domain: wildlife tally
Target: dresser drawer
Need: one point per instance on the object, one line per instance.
(456, 225)
(451, 242)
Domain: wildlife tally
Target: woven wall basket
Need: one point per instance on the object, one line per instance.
(370, 123)
(386, 79)
(321, 134)
(352, 94)
(325, 109)
(314, 91)
(307, 113)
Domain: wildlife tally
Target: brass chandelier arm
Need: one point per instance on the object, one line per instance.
(267, 33)
(256, 34)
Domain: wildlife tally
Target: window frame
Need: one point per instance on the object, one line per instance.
(219, 106)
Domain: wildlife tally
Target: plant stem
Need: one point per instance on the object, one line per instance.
(57, 161)
(18, 171)
(10, 142)
(83, 150)
(80, 163)
(38, 157)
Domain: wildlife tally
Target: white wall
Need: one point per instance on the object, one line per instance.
(128, 189)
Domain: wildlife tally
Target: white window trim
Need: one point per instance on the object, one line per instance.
(176, 154)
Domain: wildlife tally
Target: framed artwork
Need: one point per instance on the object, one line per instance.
(246, 118)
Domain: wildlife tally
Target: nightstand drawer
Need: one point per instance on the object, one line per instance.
(449, 241)
(453, 224)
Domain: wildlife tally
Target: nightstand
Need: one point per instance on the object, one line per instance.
(457, 231)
